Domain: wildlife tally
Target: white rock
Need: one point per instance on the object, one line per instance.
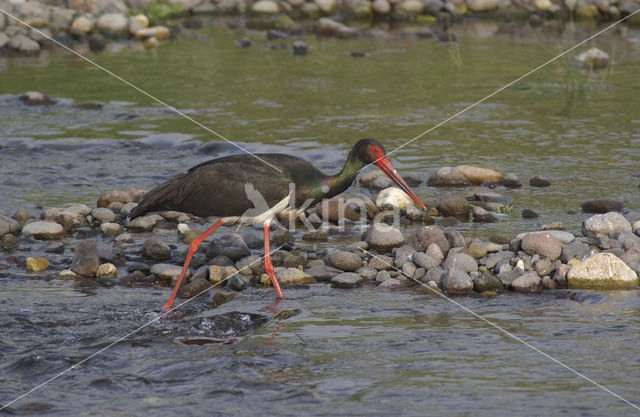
(43, 230)
(602, 270)
(265, 7)
(482, 5)
(114, 24)
(609, 224)
(393, 197)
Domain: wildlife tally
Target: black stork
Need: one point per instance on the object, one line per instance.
(219, 188)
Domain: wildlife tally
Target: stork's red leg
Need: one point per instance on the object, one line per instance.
(267, 261)
(193, 247)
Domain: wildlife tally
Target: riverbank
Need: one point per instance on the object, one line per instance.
(152, 23)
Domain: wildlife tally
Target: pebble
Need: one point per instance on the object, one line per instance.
(425, 236)
(528, 282)
(384, 237)
(169, 272)
(155, 248)
(82, 26)
(608, 224)
(291, 276)
(43, 230)
(37, 264)
(67, 274)
(86, 258)
(603, 271)
(601, 206)
(346, 261)
(479, 176)
(381, 182)
(543, 244)
(454, 206)
(448, 177)
(123, 238)
(107, 270)
(539, 181)
(160, 33)
(230, 245)
(347, 280)
(636, 228)
(367, 272)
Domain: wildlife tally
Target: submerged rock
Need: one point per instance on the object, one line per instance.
(37, 264)
(347, 280)
(454, 206)
(448, 177)
(602, 270)
(539, 181)
(36, 98)
(86, 258)
(601, 206)
(593, 59)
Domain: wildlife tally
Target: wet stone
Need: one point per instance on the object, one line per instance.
(86, 258)
(448, 177)
(510, 181)
(485, 280)
(9, 242)
(322, 273)
(539, 181)
(155, 248)
(36, 264)
(300, 48)
(219, 273)
(454, 206)
(35, 98)
(423, 237)
(381, 262)
(107, 270)
(543, 267)
(251, 265)
(457, 282)
(480, 215)
(529, 214)
(317, 235)
(230, 245)
(382, 182)
(347, 280)
(291, 276)
(601, 206)
(43, 230)
(528, 282)
(237, 282)
(193, 288)
(111, 229)
(168, 272)
(346, 261)
(384, 237)
(424, 261)
(55, 247)
(103, 215)
(393, 198)
(279, 238)
(460, 261)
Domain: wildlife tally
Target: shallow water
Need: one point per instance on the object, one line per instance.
(359, 352)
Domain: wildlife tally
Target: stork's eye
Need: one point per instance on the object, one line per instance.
(377, 152)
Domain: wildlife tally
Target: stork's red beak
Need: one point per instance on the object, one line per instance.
(386, 167)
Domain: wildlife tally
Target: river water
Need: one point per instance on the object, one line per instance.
(336, 352)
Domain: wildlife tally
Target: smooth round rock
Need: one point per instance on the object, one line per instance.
(155, 248)
(562, 236)
(322, 273)
(265, 7)
(347, 280)
(103, 215)
(424, 261)
(448, 177)
(43, 230)
(291, 276)
(543, 244)
(111, 229)
(601, 206)
(479, 176)
(393, 198)
(461, 261)
(539, 181)
(113, 24)
(603, 271)
(454, 206)
(384, 237)
(169, 272)
(346, 261)
(107, 270)
(457, 282)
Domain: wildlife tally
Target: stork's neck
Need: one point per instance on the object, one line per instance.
(335, 184)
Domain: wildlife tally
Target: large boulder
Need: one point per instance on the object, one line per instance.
(608, 224)
(602, 270)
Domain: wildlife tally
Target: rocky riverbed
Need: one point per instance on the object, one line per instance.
(100, 246)
(93, 24)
